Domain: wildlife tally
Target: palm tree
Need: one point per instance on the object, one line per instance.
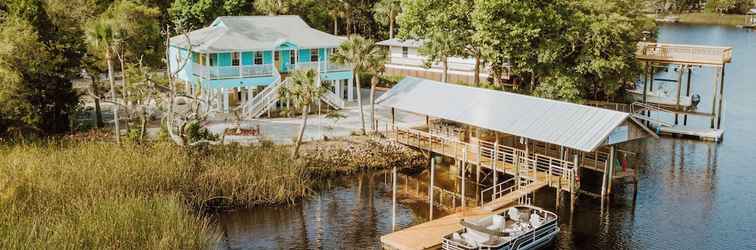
(376, 61)
(101, 34)
(355, 51)
(386, 12)
(302, 91)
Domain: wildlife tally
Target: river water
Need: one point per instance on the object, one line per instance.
(692, 194)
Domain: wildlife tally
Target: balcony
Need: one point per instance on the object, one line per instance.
(263, 70)
(231, 72)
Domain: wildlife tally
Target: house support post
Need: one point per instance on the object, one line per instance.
(715, 94)
(350, 90)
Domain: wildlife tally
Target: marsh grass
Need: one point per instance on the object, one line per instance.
(96, 195)
(89, 194)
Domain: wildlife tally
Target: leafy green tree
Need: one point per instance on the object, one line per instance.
(194, 14)
(273, 7)
(564, 47)
(443, 26)
(36, 92)
(356, 51)
(386, 12)
(302, 92)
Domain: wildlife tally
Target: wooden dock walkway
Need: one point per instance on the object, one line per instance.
(429, 234)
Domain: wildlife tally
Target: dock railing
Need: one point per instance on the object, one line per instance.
(665, 52)
(555, 172)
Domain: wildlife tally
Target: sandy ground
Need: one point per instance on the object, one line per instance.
(285, 130)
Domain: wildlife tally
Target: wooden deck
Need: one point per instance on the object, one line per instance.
(683, 54)
(429, 234)
(701, 133)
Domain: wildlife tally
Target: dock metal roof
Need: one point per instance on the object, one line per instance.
(570, 125)
(256, 33)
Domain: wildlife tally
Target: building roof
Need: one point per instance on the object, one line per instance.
(394, 42)
(570, 125)
(256, 33)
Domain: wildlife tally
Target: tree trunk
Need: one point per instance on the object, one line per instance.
(124, 91)
(373, 83)
(98, 110)
(143, 127)
(335, 26)
(391, 27)
(301, 131)
(359, 102)
(117, 128)
(477, 69)
(445, 76)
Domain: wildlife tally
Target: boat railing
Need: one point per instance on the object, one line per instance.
(448, 244)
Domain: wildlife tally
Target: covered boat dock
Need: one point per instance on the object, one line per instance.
(528, 142)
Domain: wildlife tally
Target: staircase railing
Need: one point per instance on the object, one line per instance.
(256, 106)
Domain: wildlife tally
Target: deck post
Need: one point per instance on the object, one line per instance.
(464, 165)
(687, 94)
(612, 157)
(573, 185)
(493, 167)
(721, 97)
(714, 114)
(679, 88)
(393, 117)
(393, 197)
(477, 175)
(430, 188)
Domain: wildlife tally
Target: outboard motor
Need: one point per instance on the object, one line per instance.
(695, 99)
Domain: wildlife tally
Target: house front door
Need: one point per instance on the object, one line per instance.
(277, 60)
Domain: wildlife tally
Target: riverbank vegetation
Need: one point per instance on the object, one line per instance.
(93, 194)
(712, 19)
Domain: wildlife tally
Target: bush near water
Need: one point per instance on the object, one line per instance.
(76, 194)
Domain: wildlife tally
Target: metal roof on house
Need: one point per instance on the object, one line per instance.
(411, 43)
(570, 125)
(256, 33)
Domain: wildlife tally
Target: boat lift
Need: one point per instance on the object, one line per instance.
(684, 58)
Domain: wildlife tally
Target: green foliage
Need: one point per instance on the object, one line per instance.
(585, 49)
(728, 6)
(195, 132)
(38, 57)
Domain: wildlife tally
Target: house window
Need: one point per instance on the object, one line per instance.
(405, 51)
(213, 59)
(235, 59)
(292, 57)
(202, 59)
(258, 57)
(314, 54)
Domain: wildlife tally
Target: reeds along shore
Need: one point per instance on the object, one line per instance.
(153, 196)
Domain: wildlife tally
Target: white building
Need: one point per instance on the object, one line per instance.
(405, 60)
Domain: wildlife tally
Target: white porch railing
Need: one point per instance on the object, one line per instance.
(230, 72)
